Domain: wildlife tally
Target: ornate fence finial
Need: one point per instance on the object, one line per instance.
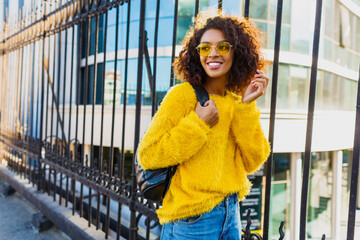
(281, 231)
(247, 234)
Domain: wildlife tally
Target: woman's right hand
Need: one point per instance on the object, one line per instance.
(209, 112)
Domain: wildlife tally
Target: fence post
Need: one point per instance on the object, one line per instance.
(354, 171)
(133, 222)
(307, 160)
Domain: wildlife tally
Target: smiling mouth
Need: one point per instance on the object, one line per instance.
(212, 64)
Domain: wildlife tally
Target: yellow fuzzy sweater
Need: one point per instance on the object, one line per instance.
(213, 162)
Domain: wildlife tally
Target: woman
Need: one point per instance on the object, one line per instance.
(216, 145)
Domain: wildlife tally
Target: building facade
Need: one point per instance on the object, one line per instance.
(107, 74)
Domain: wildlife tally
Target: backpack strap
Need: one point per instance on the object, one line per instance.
(201, 93)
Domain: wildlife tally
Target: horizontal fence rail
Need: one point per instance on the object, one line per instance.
(54, 96)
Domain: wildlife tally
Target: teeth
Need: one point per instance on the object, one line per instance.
(214, 64)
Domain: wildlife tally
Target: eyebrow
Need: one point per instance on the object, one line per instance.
(217, 42)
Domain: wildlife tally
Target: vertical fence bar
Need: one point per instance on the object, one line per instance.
(63, 114)
(32, 137)
(100, 166)
(219, 6)
(16, 93)
(93, 108)
(272, 117)
(111, 155)
(21, 126)
(307, 160)
(122, 156)
(79, 52)
(42, 100)
(133, 222)
(153, 94)
(246, 8)
(53, 98)
(57, 102)
(354, 171)
(70, 110)
(31, 107)
(46, 67)
(37, 143)
(19, 95)
(172, 76)
(52, 82)
(85, 89)
(197, 6)
(26, 112)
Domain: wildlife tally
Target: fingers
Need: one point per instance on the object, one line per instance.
(209, 113)
(261, 81)
(260, 84)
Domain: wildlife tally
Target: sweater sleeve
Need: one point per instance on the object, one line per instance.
(175, 134)
(254, 147)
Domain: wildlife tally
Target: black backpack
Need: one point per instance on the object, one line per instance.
(153, 184)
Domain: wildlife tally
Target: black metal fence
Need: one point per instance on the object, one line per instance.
(44, 54)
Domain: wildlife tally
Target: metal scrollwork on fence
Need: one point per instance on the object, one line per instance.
(247, 235)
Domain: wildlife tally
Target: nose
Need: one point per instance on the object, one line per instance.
(213, 52)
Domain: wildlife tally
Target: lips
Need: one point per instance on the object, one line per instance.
(214, 64)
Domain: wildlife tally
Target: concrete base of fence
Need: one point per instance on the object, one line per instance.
(74, 226)
(40, 222)
(6, 190)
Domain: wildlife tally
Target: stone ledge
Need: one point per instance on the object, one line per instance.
(74, 226)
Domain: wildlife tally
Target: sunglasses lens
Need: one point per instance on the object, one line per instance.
(204, 49)
(223, 48)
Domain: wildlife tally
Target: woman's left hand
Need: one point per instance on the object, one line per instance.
(256, 88)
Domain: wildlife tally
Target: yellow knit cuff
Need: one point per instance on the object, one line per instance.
(247, 110)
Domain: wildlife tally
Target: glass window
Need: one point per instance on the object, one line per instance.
(287, 12)
(320, 195)
(327, 49)
(263, 27)
(284, 39)
(258, 9)
(301, 26)
(357, 35)
(283, 87)
(264, 101)
(345, 189)
(336, 91)
(336, 22)
(280, 194)
(319, 89)
(92, 36)
(350, 92)
(345, 26)
(326, 94)
(299, 82)
(109, 84)
(99, 82)
(101, 34)
(328, 15)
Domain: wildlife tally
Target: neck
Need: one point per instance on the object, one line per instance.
(216, 86)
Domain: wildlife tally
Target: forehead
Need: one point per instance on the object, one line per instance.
(213, 36)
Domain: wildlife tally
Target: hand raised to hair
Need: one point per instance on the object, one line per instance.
(209, 112)
(256, 88)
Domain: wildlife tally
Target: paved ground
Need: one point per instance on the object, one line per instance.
(15, 221)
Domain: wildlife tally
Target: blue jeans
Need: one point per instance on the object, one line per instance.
(222, 222)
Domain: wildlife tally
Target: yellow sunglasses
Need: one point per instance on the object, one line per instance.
(222, 48)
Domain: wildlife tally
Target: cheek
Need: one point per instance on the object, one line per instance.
(203, 60)
(231, 61)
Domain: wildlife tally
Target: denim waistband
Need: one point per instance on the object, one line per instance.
(229, 199)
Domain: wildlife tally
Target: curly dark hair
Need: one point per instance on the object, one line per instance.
(246, 39)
